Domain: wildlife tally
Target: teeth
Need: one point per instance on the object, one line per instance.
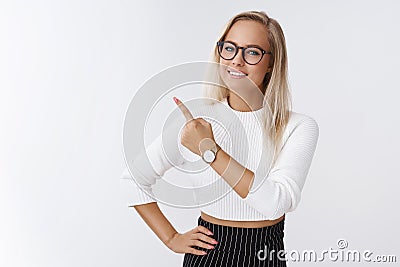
(237, 73)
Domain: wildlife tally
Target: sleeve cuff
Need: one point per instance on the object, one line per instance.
(131, 194)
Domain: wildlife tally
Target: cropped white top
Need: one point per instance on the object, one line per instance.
(276, 189)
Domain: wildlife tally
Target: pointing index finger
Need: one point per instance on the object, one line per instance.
(184, 109)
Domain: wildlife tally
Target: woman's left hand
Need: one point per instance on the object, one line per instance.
(197, 134)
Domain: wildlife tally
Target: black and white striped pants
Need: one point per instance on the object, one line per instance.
(241, 247)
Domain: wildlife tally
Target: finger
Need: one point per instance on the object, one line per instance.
(184, 109)
(203, 230)
(201, 244)
(196, 252)
(205, 238)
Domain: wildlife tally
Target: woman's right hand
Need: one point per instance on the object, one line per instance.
(199, 236)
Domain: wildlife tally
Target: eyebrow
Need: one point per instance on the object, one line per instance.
(248, 45)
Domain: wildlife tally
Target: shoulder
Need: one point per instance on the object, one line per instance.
(303, 124)
(299, 118)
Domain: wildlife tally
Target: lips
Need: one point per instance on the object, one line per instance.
(236, 74)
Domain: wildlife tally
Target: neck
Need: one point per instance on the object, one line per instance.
(245, 105)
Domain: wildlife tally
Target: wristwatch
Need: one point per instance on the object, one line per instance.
(209, 155)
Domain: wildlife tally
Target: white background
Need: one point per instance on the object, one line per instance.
(68, 70)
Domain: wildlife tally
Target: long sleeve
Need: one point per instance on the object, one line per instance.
(137, 189)
(280, 192)
(165, 152)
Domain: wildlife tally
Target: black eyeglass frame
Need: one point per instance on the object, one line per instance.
(221, 44)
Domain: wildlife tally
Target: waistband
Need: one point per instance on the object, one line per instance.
(246, 239)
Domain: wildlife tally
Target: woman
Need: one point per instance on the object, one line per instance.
(244, 227)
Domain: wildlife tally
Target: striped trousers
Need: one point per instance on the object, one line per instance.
(244, 247)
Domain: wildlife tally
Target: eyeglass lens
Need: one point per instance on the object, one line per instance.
(252, 55)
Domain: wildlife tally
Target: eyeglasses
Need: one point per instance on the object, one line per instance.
(251, 54)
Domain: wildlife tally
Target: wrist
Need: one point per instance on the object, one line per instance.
(218, 151)
(168, 240)
(208, 149)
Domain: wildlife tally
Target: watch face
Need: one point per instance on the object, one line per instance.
(208, 156)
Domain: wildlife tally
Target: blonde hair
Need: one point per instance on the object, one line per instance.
(275, 83)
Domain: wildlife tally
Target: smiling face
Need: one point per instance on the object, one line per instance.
(246, 33)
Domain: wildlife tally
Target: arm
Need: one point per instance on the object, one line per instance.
(280, 192)
(138, 193)
(235, 174)
(271, 194)
(155, 219)
(148, 165)
(179, 243)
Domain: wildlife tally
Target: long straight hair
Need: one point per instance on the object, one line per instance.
(275, 84)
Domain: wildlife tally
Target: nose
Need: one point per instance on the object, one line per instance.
(238, 59)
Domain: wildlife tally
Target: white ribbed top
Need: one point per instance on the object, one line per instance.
(276, 190)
